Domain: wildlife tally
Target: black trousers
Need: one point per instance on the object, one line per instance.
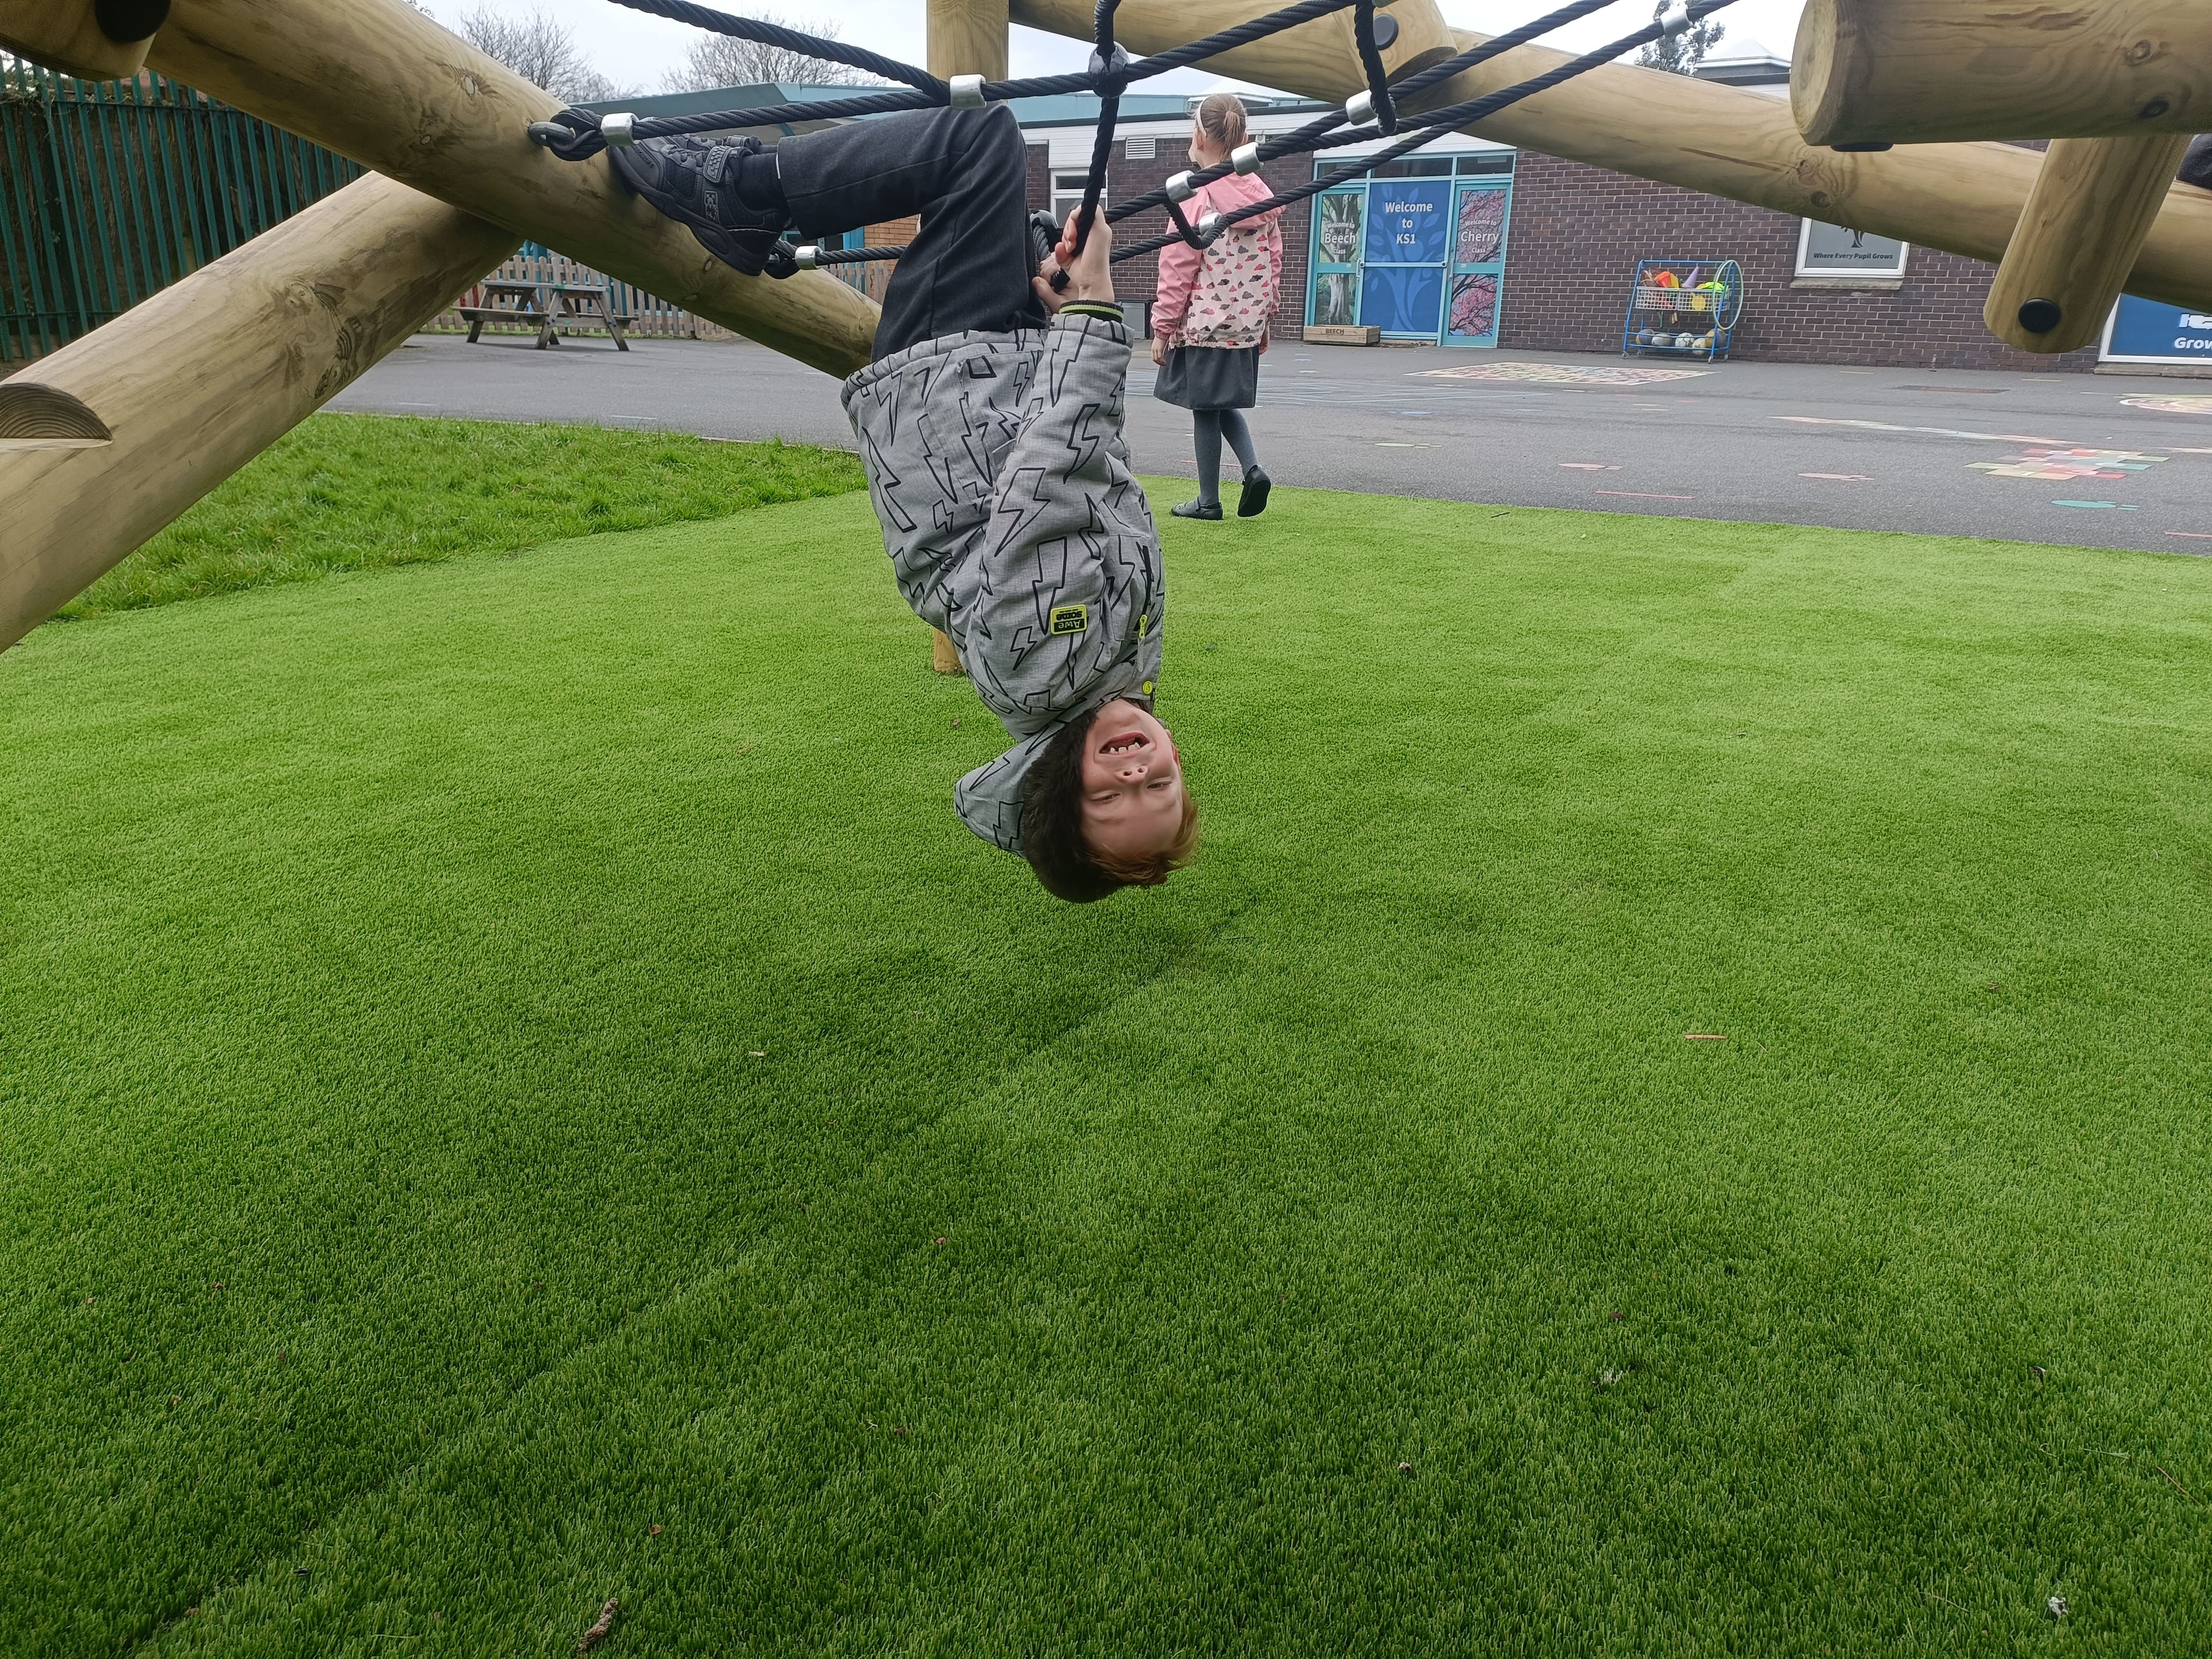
(966, 173)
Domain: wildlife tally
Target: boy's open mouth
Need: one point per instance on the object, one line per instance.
(1127, 743)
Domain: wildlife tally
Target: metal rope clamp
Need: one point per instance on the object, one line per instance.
(1178, 188)
(619, 129)
(1209, 226)
(1676, 22)
(1359, 108)
(1245, 158)
(807, 256)
(967, 91)
(1114, 68)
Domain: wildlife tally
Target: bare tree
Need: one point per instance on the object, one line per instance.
(542, 50)
(723, 60)
(1679, 54)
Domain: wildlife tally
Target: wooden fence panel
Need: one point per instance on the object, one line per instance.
(111, 191)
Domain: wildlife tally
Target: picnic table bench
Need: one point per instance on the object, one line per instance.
(549, 306)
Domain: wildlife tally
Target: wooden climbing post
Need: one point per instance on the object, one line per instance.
(2077, 239)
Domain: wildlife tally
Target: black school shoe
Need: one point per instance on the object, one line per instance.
(694, 182)
(1209, 511)
(1252, 501)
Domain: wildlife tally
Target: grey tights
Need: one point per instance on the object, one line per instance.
(1210, 427)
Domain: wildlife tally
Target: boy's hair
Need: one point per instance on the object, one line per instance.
(1051, 828)
(1221, 117)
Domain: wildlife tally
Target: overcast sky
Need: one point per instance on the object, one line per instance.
(635, 50)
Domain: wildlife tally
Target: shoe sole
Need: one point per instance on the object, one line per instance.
(1252, 500)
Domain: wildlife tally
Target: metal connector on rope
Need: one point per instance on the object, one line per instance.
(807, 256)
(619, 129)
(1179, 187)
(1675, 21)
(1245, 158)
(1359, 108)
(967, 91)
(1209, 226)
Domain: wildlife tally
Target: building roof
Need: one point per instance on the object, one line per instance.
(1744, 62)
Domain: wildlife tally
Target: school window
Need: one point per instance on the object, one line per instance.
(1826, 250)
(1067, 193)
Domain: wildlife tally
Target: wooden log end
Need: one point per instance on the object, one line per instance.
(33, 414)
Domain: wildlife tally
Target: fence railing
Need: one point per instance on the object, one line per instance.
(110, 191)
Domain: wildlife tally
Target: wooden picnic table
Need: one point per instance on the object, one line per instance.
(549, 306)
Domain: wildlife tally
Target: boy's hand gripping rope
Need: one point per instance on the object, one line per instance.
(576, 135)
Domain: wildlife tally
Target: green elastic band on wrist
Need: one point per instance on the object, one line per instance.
(1111, 310)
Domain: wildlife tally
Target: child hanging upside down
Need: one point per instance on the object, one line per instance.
(990, 424)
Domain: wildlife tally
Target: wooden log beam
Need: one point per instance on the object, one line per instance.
(1921, 71)
(1965, 199)
(2078, 237)
(1325, 50)
(108, 439)
(383, 84)
(92, 39)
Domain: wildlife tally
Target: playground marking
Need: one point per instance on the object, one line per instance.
(1562, 373)
(2171, 405)
(2051, 459)
(2112, 505)
(1588, 466)
(1645, 495)
(2062, 466)
(1928, 431)
(2193, 535)
(1840, 477)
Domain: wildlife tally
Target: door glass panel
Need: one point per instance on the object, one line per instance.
(1481, 226)
(1403, 299)
(1336, 299)
(1407, 223)
(1474, 305)
(1340, 218)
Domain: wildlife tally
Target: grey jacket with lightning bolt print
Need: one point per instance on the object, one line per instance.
(998, 467)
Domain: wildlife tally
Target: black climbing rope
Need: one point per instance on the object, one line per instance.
(576, 135)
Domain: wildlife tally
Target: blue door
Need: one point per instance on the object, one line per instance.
(1401, 285)
(1478, 267)
(1419, 259)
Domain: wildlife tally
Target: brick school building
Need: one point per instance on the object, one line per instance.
(1473, 244)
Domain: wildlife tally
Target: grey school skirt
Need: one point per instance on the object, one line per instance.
(1210, 377)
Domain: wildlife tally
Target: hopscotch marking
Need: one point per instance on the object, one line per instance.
(1561, 373)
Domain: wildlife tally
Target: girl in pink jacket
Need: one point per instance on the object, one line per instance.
(1209, 320)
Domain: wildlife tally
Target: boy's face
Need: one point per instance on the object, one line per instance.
(1131, 783)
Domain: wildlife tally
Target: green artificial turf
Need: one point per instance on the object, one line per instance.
(515, 1088)
(360, 492)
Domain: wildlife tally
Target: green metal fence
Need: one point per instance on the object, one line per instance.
(110, 191)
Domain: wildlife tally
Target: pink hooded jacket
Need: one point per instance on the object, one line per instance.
(1220, 291)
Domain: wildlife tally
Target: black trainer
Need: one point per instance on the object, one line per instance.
(1252, 501)
(695, 181)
